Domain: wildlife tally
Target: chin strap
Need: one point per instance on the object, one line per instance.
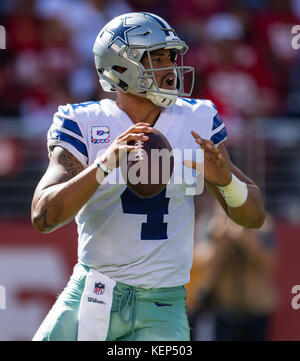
(163, 100)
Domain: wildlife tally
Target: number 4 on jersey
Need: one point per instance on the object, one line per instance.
(154, 208)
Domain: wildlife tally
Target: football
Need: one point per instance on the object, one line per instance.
(149, 169)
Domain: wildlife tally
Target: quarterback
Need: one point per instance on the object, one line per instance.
(134, 254)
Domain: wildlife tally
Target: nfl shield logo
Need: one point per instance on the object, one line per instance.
(99, 288)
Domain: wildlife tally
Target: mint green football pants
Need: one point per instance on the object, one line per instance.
(137, 314)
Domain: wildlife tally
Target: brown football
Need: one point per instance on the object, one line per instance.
(150, 168)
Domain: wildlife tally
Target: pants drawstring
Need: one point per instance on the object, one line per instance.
(128, 296)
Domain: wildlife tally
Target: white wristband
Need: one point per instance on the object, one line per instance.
(235, 193)
(102, 171)
(103, 167)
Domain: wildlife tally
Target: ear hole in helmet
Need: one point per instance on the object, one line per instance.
(119, 69)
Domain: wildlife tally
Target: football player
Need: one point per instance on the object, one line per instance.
(134, 254)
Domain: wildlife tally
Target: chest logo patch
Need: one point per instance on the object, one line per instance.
(100, 134)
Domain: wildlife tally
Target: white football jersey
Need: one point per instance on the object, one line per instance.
(145, 243)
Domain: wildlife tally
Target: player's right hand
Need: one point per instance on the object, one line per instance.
(112, 156)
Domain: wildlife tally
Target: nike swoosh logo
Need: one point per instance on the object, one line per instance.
(162, 304)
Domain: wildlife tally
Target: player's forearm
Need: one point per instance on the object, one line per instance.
(251, 214)
(54, 206)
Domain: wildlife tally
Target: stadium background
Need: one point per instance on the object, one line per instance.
(244, 62)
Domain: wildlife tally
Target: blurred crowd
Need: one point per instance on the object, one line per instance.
(49, 58)
(241, 51)
(232, 295)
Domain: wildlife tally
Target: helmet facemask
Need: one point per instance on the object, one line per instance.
(147, 82)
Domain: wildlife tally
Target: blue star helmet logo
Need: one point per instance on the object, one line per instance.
(120, 32)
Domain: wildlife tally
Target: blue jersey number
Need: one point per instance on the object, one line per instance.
(154, 208)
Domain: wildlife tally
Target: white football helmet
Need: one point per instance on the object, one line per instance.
(123, 42)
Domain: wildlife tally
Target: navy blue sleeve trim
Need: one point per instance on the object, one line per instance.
(70, 125)
(218, 137)
(217, 121)
(81, 147)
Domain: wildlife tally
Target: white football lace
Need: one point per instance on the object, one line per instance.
(140, 150)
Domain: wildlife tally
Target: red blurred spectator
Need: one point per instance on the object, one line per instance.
(57, 54)
(158, 7)
(11, 156)
(196, 9)
(23, 28)
(84, 19)
(189, 16)
(272, 37)
(233, 76)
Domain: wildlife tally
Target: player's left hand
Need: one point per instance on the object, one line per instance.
(216, 169)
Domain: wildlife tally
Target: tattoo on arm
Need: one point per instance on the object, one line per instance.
(63, 166)
(70, 163)
(71, 166)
